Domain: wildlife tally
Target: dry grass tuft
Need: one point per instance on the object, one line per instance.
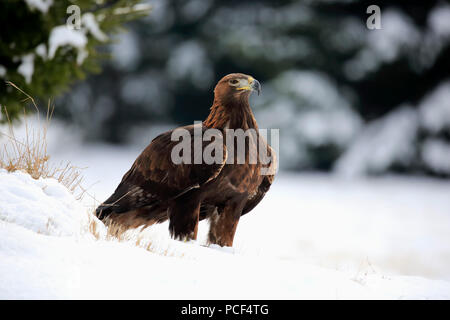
(93, 227)
(29, 154)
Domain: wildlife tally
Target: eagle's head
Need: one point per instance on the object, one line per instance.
(236, 86)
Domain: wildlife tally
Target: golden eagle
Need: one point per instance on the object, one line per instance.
(156, 188)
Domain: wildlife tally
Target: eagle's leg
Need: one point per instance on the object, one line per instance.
(183, 218)
(223, 224)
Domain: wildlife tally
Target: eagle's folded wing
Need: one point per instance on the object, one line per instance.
(155, 177)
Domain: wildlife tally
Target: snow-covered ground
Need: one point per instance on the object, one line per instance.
(313, 236)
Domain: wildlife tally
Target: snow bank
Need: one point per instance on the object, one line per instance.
(60, 259)
(42, 206)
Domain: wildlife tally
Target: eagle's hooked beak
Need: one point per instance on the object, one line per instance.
(256, 86)
(251, 85)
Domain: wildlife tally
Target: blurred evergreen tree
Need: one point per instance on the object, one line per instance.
(42, 55)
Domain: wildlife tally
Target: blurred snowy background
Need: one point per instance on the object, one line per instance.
(346, 98)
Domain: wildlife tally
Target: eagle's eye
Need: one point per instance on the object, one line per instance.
(234, 82)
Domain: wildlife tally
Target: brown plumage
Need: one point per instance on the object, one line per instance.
(156, 189)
